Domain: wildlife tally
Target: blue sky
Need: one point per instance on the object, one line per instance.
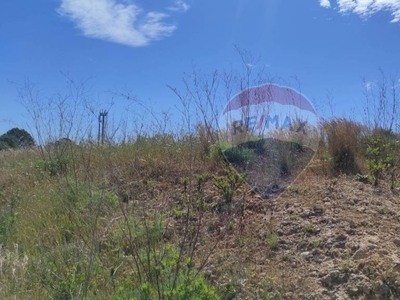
(144, 45)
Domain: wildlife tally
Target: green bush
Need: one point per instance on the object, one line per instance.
(257, 145)
(58, 166)
(382, 152)
(272, 241)
(238, 155)
(229, 184)
(161, 270)
(217, 151)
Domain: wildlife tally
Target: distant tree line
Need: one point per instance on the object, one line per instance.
(16, 138)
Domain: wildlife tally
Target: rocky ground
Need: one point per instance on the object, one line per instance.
(322, 238)
(343, 237)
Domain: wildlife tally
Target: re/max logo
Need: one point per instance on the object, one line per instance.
(266, 122)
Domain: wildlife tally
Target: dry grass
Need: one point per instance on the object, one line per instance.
(342, 140)
(88, 227)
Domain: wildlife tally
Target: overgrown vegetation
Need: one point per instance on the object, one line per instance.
(382, 153)
(80, 229)
(144, 217)
(86, 221)
(348, 147)
(341, 145)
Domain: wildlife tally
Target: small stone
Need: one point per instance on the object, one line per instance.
(289, 295)
(373, 239)
(397, 242)
(340, 245)
(353, 291)
(305, 214)
(318, 210)
(341, 237)
(318, 259)
(317, 230)
(353, 246)
(333, 278)
(360, 253)
(383, 290)
(397, 284)
(295, 230)
(334, 253)
(366, 289)
(305, 254)
(383, 252)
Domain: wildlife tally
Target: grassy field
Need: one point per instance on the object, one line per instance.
(163, 217)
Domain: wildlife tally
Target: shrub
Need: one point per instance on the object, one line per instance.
(58, 166)
(272, 241)
(161, 270)
(258, 146)
(342, 138)
(229, 184)
(217, 151)
(238, 155)
(309, 227)
(382, 153)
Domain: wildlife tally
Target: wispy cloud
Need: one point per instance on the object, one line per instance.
(179, 5)
(325, 3)
(114, 21)
(366, 8)
(249, 65)
(369, 85)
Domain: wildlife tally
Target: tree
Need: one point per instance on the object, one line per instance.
(3, 145)
(16, 138)
(10, 140)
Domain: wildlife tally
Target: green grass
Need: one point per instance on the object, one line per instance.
(72, 225)
(130, 220)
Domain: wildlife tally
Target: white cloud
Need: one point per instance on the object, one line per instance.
(325, 3)
(179, 5)
(369, 85)
(366, 8)
(116, 22)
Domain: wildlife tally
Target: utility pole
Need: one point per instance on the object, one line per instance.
(102, 126)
